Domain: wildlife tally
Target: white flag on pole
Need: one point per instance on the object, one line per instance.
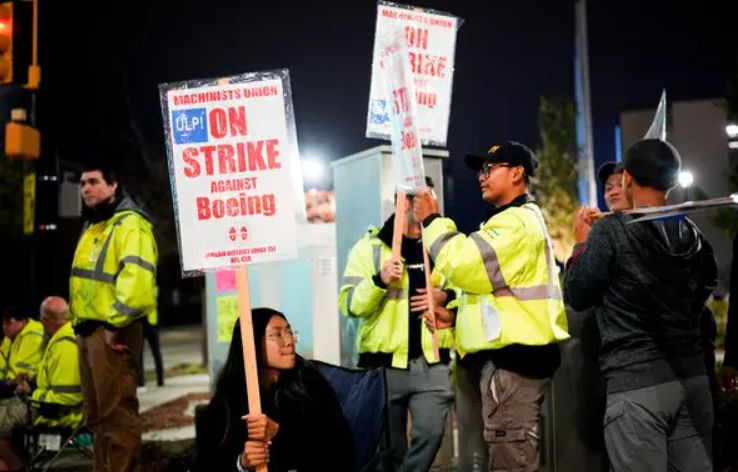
(657, 130)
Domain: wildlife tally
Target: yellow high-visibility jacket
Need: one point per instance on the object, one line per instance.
(114, 270)
(153, 317)
(383, 313)
(510, 291)
(58, 379)
(22, 354)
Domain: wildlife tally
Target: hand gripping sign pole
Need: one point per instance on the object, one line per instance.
(407, 153)
(235, 180)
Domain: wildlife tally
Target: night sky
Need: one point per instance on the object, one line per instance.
(101, 68)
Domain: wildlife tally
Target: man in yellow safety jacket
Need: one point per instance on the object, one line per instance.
(511, 313)
(22, 346)
(58, 380)
(388, 298)
(55, 391)
(112, 287)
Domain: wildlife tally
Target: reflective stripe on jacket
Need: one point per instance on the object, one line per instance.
(23, 354)
(383, 313)
(114, 270)
(507, 274)
(58, 379)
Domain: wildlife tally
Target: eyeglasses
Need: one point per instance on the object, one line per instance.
(281, 337)
(488, 167)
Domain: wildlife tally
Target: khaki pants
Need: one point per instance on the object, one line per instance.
(110, 402)
(511, 409)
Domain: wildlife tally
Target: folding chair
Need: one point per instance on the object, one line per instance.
(44, 445)
(362, 394)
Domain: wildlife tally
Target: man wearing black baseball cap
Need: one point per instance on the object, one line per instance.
(511, 315)
(648, 282)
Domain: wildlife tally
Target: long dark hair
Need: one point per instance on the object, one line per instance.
(230, 388)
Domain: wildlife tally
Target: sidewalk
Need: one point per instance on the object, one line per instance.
(151, 397)
(180, 345)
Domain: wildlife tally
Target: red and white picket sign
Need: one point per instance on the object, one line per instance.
(236, 182)
(407, 153)
(430, 38)
(233, 159)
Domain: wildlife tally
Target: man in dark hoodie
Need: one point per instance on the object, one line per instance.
(388, 298)
(649, 282)
(112, 287)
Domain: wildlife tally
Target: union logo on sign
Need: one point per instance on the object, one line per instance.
(190, 126)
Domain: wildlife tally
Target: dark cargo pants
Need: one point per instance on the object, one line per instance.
(511, 409)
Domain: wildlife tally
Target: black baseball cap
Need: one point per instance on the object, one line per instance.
(607, 169)
(511, 152)
(653, 163)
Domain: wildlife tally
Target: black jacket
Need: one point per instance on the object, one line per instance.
(313, 433)
(649, 282)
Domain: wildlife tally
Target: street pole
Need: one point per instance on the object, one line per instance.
(587, 185)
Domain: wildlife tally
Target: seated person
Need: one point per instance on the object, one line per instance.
(21, 349)
(56, 389)
(300, 410)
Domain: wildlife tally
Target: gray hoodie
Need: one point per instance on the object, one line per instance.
(649, 282)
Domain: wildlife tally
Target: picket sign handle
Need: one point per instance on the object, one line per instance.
(247, 340)
(431, 304)
(397, 231)
(399, 228)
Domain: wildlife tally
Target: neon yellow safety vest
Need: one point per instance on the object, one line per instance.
(58, 379)
(383, 313)
(507, 274)
(153, 317)
(23, 354)
(114, 270)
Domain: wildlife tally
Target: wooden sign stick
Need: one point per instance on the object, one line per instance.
(247, 341)
(399, 228)
(431, 304)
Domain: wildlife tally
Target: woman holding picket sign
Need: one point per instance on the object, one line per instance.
(301, 411)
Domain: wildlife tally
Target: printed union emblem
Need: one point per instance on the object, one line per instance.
(378, 113)
(190, 126)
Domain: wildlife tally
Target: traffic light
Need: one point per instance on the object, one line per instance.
(6, 42)
(16, 29)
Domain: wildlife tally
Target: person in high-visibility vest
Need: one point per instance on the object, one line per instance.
(388, 298)
(55, 392)
(112, 288)
(511, 314)
(22, 346)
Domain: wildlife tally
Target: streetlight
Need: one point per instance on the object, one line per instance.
(686, 179)
(732, 130)
(313, 170)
